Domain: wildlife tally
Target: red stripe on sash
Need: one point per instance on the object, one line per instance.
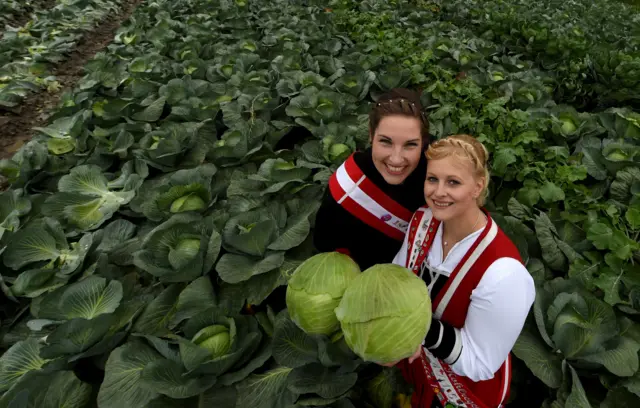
(375, 192)
(413, 228)
(362, 214)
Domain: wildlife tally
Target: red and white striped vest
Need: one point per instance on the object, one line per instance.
(430, 376)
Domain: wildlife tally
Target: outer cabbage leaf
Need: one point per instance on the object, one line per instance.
(580, 328)
(86, 199)
(250, 233)
(44, 241)
(21, 358)
(13, 205)
(49, 390)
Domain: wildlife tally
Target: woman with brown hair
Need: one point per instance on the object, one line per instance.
(480, 290)
(371, 197)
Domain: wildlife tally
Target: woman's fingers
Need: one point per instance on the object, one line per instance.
(415, 355)
(411, 359)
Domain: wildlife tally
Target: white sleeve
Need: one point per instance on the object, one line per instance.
(401, 256)
(499, 306)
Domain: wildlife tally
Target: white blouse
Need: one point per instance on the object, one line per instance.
(497, 312)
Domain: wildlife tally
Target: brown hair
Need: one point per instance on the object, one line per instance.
(400, 101)
(465, 147)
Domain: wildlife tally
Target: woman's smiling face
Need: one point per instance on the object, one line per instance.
(396, 147)
(451, 187)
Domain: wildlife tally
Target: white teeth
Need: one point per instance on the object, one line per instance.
(442, 205)
(395, 169)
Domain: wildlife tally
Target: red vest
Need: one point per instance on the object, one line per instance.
(429, 375)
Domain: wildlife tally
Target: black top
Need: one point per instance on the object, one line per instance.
(336, 228)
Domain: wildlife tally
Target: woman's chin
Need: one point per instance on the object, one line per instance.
(395, 179)
(442, 214)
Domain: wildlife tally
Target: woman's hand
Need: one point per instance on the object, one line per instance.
(413, 358)
(416, 355)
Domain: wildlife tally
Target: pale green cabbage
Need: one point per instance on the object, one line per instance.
(189, 202)
(315, 290)
(215, 338)
(385, 313)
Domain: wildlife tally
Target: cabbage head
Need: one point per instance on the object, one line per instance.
(215, 338)
(385, 313)
(315, 290)
(568, 126)
(181, 249)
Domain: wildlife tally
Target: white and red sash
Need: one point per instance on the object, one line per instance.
(356, 193)
(435, 377)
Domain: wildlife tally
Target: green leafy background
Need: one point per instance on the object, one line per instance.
(176, 188)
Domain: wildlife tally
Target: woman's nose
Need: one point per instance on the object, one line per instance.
(396, 157)
(440, 190)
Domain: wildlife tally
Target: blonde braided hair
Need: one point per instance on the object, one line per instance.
(466, 147)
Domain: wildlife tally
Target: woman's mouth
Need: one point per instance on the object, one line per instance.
(441, 204)
(395, 170)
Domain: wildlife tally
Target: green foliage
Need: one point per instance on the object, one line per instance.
(29, 53)
(148, 225)
(590, 46)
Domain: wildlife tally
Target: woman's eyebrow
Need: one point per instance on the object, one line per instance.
(447, 176)
(417, 139)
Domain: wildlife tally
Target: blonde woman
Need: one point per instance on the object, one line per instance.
(481, 292)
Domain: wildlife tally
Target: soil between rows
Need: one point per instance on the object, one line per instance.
(16, 128)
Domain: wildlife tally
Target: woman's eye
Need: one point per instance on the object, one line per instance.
(385, 141)
(432, 179)
(454, 182)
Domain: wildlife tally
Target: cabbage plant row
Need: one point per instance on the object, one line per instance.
(10, 9)
(148, 225)
(592, 47)
(29, 53)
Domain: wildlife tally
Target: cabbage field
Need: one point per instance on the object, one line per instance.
(150, 224)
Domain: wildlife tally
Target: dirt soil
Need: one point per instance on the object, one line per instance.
(16, 128)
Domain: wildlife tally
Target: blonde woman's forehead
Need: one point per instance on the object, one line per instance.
(451, 166)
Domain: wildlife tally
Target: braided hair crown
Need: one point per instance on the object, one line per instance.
(399, 101)
(468, 148)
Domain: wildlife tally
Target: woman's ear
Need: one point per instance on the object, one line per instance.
(480, 183)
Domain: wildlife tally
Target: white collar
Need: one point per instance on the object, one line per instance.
(454, 256)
